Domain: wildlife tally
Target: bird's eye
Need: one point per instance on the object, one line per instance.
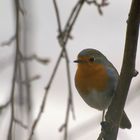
(92, 59)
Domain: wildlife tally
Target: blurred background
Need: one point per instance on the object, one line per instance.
(39, 31)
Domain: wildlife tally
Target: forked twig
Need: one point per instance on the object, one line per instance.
(99, 5)
(63, 39)
(80, 3)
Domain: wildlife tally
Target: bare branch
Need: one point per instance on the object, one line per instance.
(20, 123)
(62, 127)
(34, 57)
(21, 10)
(111, 125)
(44, 99)
(63, 38)
(70, 98)
(9, 41)
(14, 72)
(99, 6)
(5, 105)
(57, 16)
(36, 77)
(71, 20)
(55, 68)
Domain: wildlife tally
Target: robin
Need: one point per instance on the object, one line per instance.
(96, 80)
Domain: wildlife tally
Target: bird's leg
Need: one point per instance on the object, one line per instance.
(101, 134)
(103, 115)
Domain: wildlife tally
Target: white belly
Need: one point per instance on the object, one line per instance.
(97, 100)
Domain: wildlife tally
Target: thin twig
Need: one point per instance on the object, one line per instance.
(71, 20)
(9, 41)
(63, 39)
(44, 98)
(69, 102)
(99, 6)
(57, 16)
(70, 105)
(20, 123)
(70, 99)
(34, 57)
(36, 77)
(52, 76)
(15, 71)
(21, 10)
(5, 105)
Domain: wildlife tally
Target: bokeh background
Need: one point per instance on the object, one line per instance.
(106, 33)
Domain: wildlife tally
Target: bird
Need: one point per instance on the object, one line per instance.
(96, 81)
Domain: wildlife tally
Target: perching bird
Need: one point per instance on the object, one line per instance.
(96, 80)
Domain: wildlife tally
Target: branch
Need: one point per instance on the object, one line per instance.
(70, 105)
(20, 123)
(57, 16)
(14, 72)
(4, 105)
(34, 125)
(113, 118)
(9, 41)
(65, 34)
(62, 39)
(72, 18)
(99, 6)
(34, 57)
(27, 82)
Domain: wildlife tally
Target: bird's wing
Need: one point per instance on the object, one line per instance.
(113, 78)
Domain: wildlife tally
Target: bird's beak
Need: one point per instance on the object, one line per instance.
(77, 61)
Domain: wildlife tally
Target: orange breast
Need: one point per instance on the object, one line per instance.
(91, 77)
